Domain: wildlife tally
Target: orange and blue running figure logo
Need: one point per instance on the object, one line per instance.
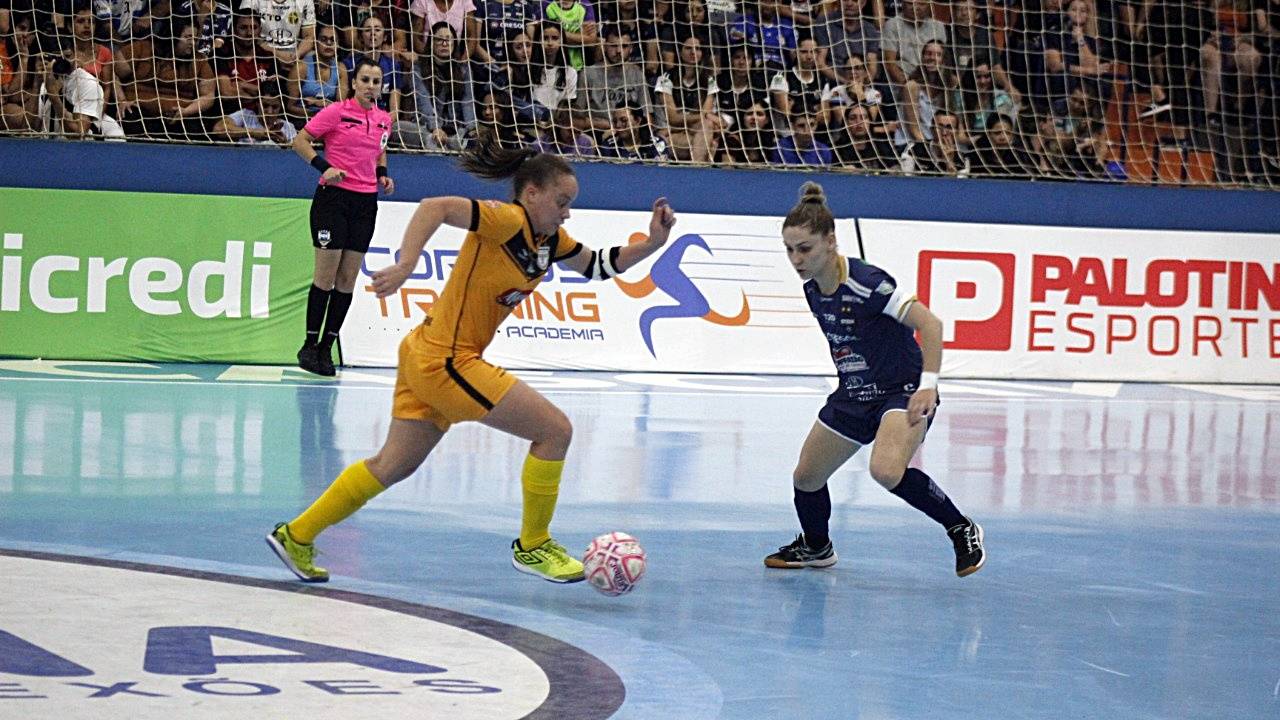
(667, 275)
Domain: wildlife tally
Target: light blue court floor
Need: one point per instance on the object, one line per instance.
(1133, 534)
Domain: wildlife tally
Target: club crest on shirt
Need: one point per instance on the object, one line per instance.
(531, 262)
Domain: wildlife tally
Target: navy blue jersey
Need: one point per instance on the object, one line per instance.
(874, 353)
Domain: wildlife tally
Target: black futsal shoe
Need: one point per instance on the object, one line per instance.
(799, 555)
(967, 540)
(325, 361)
(309, 360)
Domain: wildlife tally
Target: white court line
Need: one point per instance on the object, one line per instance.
(976, 398)
(1106, 670)
(1176, 588)
(1092, 389)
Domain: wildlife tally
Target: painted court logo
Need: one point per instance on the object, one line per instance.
(239, 647)
(975, 292)
(667, 276)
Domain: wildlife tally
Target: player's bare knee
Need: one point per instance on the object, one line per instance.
(887, 473)
(557, 431)
(806, 480)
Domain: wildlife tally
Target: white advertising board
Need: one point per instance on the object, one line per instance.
(1017, 301)
(720, 297)
(1061, 303)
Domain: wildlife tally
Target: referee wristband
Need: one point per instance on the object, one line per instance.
(319, 163)
(928, 381)
(381, 171)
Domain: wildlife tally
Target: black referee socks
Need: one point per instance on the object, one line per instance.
(317, 300)
(339, 303)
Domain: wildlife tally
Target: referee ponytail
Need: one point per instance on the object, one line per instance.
(525, 165)
(811, 213)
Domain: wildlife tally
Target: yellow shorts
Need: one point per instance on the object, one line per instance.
(446, 390)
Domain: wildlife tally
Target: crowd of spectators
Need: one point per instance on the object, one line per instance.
(1015, 88)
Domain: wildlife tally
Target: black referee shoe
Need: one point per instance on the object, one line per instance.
(324, 354)
(799, 555)
(966, 538)
(309, 360)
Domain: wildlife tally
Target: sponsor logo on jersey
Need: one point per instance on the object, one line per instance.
(512, 297)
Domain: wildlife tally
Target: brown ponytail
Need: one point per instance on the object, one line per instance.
(490, 161)
(811, 213)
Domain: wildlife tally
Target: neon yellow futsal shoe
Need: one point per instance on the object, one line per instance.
(297, 557)
(549, 561)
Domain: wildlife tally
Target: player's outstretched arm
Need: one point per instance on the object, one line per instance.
(604, 264)
(921, 319)
(430, 215)
(660, 224)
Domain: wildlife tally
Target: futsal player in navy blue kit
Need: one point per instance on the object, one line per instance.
(888, 389)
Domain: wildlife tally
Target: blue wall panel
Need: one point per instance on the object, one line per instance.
(268, 172)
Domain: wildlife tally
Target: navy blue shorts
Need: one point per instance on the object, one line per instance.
(859, 421)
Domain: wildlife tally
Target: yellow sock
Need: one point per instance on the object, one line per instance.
(353, 488)
(541, 482)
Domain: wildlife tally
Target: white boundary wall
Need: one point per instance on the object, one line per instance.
(1058, 303)
(1017, 301)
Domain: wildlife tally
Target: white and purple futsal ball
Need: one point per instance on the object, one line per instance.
(614, 563)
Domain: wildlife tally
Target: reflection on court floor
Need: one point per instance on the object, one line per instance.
(1132, 532)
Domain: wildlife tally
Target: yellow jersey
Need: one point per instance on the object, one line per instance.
(499, 265)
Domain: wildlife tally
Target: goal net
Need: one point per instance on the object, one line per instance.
(1179, 92)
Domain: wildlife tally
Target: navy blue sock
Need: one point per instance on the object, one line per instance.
(317, 301)
(814, 509)
(923, 494)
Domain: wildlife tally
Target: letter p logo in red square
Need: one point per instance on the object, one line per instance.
(973, 295)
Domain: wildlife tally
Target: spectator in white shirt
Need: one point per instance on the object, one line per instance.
(287, 26)
(260, 121)
(71, 104)
(905, 37)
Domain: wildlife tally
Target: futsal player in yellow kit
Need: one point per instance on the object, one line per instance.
(442, 377)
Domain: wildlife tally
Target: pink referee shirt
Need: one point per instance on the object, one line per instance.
(353, 140)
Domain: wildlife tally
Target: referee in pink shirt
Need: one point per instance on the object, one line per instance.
(345, 206)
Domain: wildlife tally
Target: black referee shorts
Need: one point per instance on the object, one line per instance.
(342, 219)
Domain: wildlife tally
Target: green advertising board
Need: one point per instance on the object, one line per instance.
(152, 276)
